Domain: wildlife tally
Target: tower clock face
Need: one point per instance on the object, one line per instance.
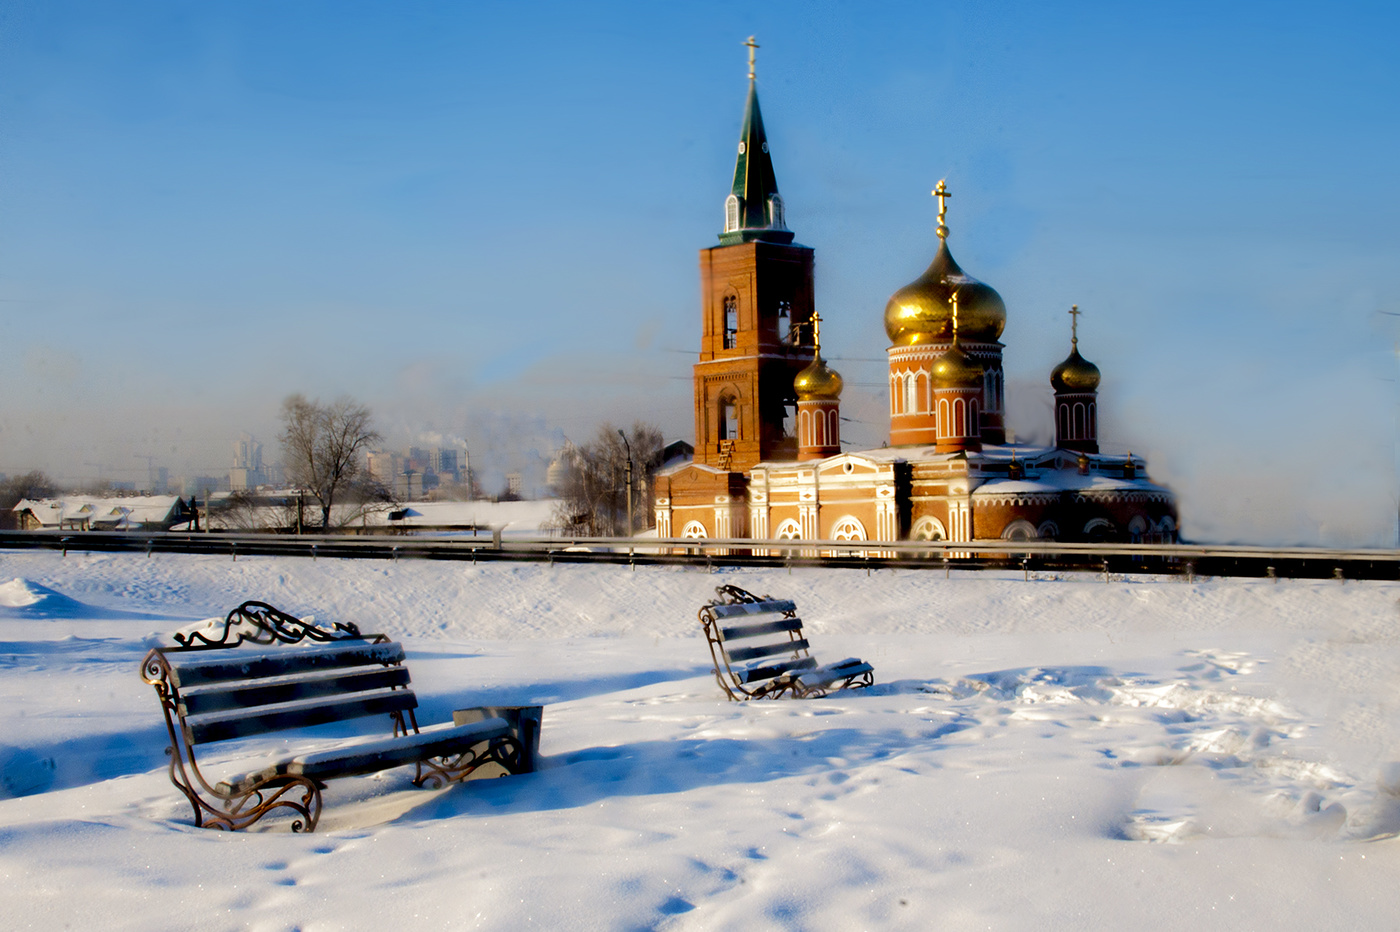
(742, 147)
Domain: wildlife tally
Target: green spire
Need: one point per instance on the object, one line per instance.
(754, 210)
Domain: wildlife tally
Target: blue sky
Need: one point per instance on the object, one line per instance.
(476, 215)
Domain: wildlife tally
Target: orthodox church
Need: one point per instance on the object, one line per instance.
(768, 462)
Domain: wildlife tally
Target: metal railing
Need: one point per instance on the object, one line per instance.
(1187, 560)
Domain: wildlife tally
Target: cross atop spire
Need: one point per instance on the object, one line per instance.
(817, 333)
(753, 46)
(1074, 313)
(942, 193)
(955, 310)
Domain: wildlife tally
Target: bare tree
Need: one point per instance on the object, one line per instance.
(322, 444)
(32, 485)
(593, 493)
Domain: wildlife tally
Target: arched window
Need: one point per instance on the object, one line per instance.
(848, 528)
(959, 419)
(894, 395)
(1166, 530)
(1064, 421)
(833, 432)
(804, 428)
(694, 530)
(789, 530)
(911, 402)
(776, 220)
(731, 213)
(921, 399)
(1079, 420)
(1137, 529)
(1093, 420)
(1020, 529)
(945, 426)
(784, 325)
(731, 321)
(1048, 530)
(928, 528)
(1100, 530)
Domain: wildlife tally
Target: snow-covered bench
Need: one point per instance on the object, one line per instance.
(760, 652)
(266, 671)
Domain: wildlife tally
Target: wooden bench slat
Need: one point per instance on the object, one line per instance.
(738, 632)
(202, 700)
(836, 671)
(759, 672)
(235, 664)
(221, 726)
(752, 608)
(372, 756)
(741, 654)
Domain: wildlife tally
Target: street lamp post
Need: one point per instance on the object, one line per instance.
(628, 446)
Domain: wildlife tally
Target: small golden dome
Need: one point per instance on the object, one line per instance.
(1075, 374)
(922, 311)
(817, 382)
(956, 369)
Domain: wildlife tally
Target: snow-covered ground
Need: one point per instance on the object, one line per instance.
(1062, 753)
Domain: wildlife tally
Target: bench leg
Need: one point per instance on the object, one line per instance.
(233, 812)
(440, 771)
(299, 794)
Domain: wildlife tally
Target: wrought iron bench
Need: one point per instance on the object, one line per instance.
(760, 652)
(217, 688)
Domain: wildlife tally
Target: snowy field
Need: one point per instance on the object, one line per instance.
(1064, 753)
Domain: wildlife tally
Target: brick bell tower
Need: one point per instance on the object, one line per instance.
(756, 309)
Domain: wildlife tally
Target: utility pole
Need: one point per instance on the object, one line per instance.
(629, 480)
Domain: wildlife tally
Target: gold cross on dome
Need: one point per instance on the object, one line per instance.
(1074, 313)
(817, 331)
(955, 312)
(942, 195)
(752, 46)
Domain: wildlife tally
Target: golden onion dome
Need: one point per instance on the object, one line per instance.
(817, 382)
(1075, 374)
(922, 311)
(956, 369)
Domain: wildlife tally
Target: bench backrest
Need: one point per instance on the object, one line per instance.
(747, 633)
(231, 692)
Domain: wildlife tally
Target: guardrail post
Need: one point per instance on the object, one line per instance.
(233, 549)
(1190, 571)
(1270, 573)
(149, 545)
(1026, 569)
(1105, 571)
(1339, 576)
(313, 553)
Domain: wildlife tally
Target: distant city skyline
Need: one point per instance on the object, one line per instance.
(482, 222)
